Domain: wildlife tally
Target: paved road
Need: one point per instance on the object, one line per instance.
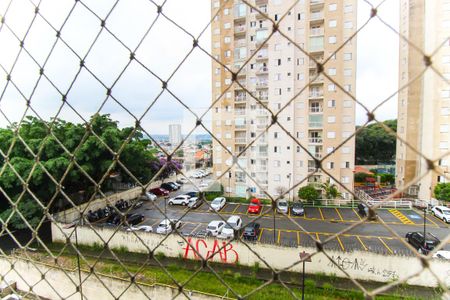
(320, 222)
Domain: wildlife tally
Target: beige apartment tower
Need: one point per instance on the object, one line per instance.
(424, 106)
(320, 117)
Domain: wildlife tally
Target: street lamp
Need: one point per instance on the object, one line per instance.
(289, 186)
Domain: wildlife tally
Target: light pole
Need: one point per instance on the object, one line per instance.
(229, 184)
(425, 227)
(289, 186)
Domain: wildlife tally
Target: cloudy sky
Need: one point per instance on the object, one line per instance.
(161, 53)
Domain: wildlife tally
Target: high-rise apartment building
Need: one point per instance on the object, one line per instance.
(423, 106)
(320, 117)
(175, 134)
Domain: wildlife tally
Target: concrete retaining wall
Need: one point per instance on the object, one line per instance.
(61, 285)
(72, 214)
(360, 265)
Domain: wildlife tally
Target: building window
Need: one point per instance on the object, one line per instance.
(331, 103)
(300, 61)
(275, 149)
(332, 71)
(347, 56)
(444, 128)
(348, 87)
(332, 23)
(331, 119)
(348, 8)
(276, 177)
(331, 165)
(332, 7)
(276, 163)
(331, 134)
(227, 25)
(347, 72)
(331, 87)
(345, 179)
(332, 39)
(278, 62)
(347, 103)
(348, 24)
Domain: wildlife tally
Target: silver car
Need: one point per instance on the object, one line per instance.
(282, 206)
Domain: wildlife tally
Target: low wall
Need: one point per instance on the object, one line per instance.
(72, 214)
(63, 285)
(360, 265)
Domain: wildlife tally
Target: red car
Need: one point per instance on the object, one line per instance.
(159, 192)
(255, 206)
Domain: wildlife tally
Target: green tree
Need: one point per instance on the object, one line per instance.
(361, 177)
(376, 145)
(29, 209)
(442, 191)
(308, 193)
(330, 191)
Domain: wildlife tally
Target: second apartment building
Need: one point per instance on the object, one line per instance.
(320, 117)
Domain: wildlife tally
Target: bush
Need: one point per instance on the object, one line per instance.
(361, 177)
(308, 193)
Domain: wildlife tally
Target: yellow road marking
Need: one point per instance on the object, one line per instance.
(429, 219)
(339, 214)
(279, 235)
(260, 234)
(357, 214)
(387, 247)
(364, 246)
(340, 243)
(317, 237)
(195, 228)
(237, 206)
(401, 216)
(298, 238)
(321, 214)
(440, 221)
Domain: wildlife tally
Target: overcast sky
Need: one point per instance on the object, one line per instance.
(162, 51)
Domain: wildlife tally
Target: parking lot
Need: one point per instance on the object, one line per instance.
(320, 222)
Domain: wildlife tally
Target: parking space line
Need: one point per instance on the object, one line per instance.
(362, 244)
(321, 214)
(279, 235)
(317, 237)
(339, 214)
(340, 243)
(429, 219)
(196, 227)
(440, 221)
(298, 238)
(237, 206)
(260, 234)
(387, 247)
(357, 214)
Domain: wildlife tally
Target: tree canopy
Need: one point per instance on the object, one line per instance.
(308, 193)
(375, 145)
(442, 191)
(75, 155)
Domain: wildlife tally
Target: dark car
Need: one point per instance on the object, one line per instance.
(113, 219)
(167, 186)
(422, 246)
(135, 219)
(176, 186)
(160, 192)
(251, 231)
(191, 194)
(297, 209)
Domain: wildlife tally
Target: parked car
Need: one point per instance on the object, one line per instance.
(138, 204)
(159, 192)
(177, 186)
(442, 213)
(179, 200)
(145, 228)
(148, 196)
(251, 231)
(442, 254)
(255, 206)
(297, 209)
(113, 219)
(215, 227)
(202, 234)
(422, 245)
(191, 194)
(168, 225)
(181, 181)
(134, 219)
(218, 203)
(194, 202)
(234, 223)
(169, 187)
(282, 206)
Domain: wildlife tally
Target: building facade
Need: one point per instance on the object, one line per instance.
(175, 137)
(321, 115)
(424, 105)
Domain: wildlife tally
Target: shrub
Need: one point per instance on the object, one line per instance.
(160, 255)
(308, 193)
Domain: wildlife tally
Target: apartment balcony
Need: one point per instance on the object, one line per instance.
(262, 126)
(262, 181)
(316, 32)
(262, 85)
(240, 98)
(263, 97)
(261, 168)
(239, 112)
(239, 30)
(241, 86)
(261, 2)
(316, 48)
(316, 95)
(262, 113)
(315, 109)
(240, 126)
(261, 56)
(240, 140)
(262, 71)
(317, 155)
(263, 154)
(313, 64)
(318, 3)
(316, 16)
(315, 124)
(315, 140)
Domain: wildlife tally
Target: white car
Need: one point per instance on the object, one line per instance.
(218, 203)
(442, 213)
(145, 228)
(282, 206)
(149, 196)
(442, 254)
(215, 227)
(179, 200)
(165, 227)
(233, 223)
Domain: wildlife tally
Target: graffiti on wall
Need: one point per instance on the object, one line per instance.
(360, 264)
(209, 249)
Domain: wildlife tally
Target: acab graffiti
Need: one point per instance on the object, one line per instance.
(214, 249)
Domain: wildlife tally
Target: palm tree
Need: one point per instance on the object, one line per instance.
(330, 190)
